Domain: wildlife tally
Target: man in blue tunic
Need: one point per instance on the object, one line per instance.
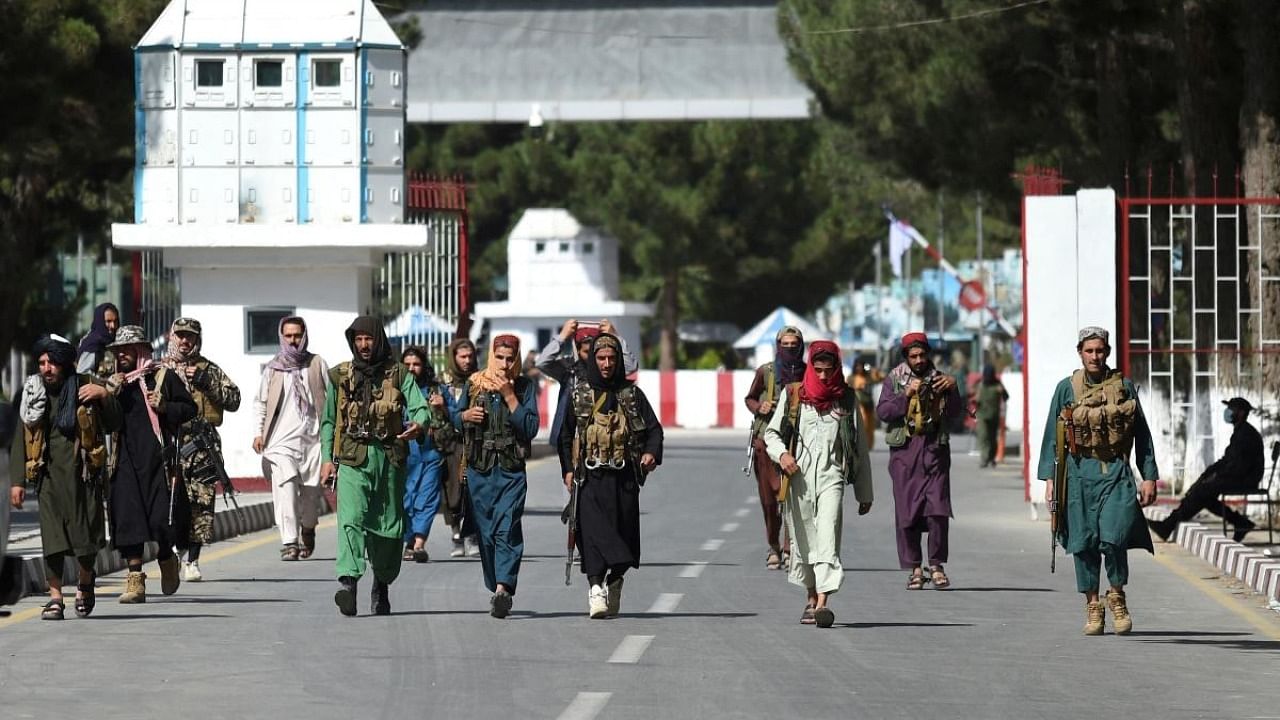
(1100, 515)
(498, 417)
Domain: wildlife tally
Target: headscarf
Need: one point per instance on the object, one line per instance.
(914, 339)
(174, 355)
(591, 370)
(819, 394)
(62, 354)
(788, 363)
(99, 336)
(367, 373)
(492, 378)
(294, 361)
(143, 365)
(428, 376)
(457, 374)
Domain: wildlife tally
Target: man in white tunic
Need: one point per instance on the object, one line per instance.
(816, 437)
(290, 399)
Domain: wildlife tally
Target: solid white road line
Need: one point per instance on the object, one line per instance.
(586, 706)
(666, 603)
(630, 649)
(693, 570)
(729, 527)
(741, 512)
(712, 545)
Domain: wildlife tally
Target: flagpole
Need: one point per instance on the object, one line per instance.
(879, 303)
(911, 308)
(941, 277)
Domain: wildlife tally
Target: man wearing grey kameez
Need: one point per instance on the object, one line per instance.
(816, 437)
(1100, 515)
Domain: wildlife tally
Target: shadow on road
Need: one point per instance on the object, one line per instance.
(228, 601)
(1225, 644)
(868, 625)
(159, 616)
(1000, 589)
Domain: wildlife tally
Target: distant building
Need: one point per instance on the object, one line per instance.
(558, 269)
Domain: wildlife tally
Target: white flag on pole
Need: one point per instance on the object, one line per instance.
(901, 235)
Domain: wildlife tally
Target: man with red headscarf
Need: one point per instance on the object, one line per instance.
(498, 417)
(816, 437)
(916, 404)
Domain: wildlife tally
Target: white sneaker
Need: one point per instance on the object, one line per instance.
(191, 572)
(597, 602)
(614, 602)
(471, 546)
(457, 550)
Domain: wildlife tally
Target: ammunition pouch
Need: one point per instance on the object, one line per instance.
(1104, 417)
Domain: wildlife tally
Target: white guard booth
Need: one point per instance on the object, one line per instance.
(270, 173)
(1070, 251)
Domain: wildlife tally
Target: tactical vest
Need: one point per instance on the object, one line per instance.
(926, 415)
(494, 442)
(770, 395)
(91, 445)
(377, 422)
(1103, 416)
(606, 439)
(207, 408)
(847, 443)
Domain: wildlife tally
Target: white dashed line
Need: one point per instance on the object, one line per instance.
(753, 500)
(713, 544)
(666, 603)
(630, 649)
(586, 706)
(741, 512)
(729, 527)
(693, 570)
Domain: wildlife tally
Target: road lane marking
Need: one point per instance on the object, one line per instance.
(630, 649)
(712, 545)
(1216, 594)
(752, 500)
(741, 512)
(729, 527)
(586, 706)
(666, 603)
(693, 569)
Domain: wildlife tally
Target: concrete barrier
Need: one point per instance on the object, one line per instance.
(1258, 571)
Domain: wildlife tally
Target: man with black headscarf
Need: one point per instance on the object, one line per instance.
(93, 354)
(70, 482)
(611, 440)
(426, 464)
(460, 363)
(374, 409)
(787, 367)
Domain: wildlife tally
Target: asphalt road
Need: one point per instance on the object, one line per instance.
(705, 632)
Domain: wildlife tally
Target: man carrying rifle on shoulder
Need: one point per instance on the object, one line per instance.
(199, 445)
(1096, 414)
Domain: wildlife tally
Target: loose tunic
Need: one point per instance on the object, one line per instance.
(71, 514)
(920, 469)
(608, 499)
(140, 494)
(814, 508)
(1101, 503)
(498, 495)
(371, 496)
(426, 467)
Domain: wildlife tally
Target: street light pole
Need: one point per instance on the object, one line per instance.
(982, 280)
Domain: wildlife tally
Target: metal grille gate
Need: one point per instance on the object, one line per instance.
(157, 295)
(1194, 328)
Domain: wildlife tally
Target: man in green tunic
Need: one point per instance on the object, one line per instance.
(375, 410)
(70, 480)
(1100, 515)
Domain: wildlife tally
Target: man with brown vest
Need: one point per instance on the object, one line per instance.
(288, 405)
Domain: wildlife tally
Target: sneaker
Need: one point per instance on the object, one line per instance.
(191, 571)
(597, 602)
(1119, 612)
(1094, 615)
(615, 596)
(345, 598)
(500, 604)
(1242, 530)
(170, 577)
(471, 546)
(457, 550)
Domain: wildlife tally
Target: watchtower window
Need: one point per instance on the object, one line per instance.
(327, 73)
(268, 73)
(209, 73)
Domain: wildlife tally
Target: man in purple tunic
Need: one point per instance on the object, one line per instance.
(916, 404)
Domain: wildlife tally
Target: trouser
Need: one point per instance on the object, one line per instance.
(1203, 495)
(56, 564)
(453, 490)
(296, 506)
(1089, 567)
(422, 498)
(767, 483)
(988, 436)
(497, 504)
(201, 494)
(360, 509)
(163, 551)
(938, 527)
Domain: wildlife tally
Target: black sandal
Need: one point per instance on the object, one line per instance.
(53, 610)
(87, 599)
(806, 617)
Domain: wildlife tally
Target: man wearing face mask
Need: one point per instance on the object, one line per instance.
(1239, 472)
(1100, 515)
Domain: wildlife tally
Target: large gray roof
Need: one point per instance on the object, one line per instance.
(492, 60)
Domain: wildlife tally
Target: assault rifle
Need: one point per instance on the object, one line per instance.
(204, 438)
(1064, 442)
(570, 515)
(751, 454)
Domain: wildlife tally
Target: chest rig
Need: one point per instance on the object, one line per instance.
(606, 438)
(494, 441)
(1103, 416)
(376, 420)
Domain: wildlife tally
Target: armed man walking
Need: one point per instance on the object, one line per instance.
(563, 361)
(69, 472)
(147, 501)
(426, 464)
(917, 402)
(1099, 517)
(770, 379)
(609, 443)
(199, 443)
(498, 417)
(374, 409)
(291, 398)
(816, 437)
(460, 364)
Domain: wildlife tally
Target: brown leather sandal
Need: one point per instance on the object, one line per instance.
(939, 578)
(916, 580)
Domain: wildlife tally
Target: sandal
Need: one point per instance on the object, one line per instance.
(53, 610)
(308, 543)
(86, 599)
(806, 618)
(916, 580)
(408, 554)
(939, 578)
(289, 552)
(773, 560)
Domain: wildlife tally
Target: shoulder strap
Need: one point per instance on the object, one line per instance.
(771, 382)
(793, 403)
